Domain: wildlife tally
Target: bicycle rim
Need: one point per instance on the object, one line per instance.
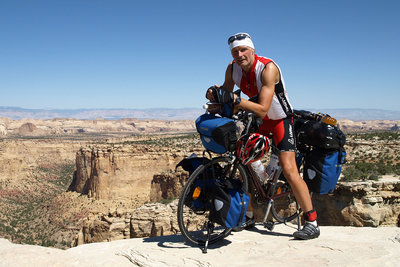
(193, 221)
(284, 208)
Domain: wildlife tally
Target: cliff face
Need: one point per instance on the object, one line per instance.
(167, 185)
(360, 204)
(352, 204)
(116, 173)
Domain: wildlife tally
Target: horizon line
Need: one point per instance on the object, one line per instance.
(177, 108)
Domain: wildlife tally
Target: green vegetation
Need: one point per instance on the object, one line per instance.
(374, 158)
(371, 136)
(360, 171)
(191, 139)
(167, 201)
(25, 208)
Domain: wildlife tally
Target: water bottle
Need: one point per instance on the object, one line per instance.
(259, 169)
(273, 163)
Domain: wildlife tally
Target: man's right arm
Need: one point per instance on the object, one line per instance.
(228, 83)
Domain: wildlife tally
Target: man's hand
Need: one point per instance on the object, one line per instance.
(220, 95)
(209, 93)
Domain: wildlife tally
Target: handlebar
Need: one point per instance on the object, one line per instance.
(250, 121)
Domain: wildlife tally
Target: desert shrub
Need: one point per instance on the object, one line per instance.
(361, 171)
(167, 200)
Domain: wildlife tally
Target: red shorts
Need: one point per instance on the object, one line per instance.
(282, 133)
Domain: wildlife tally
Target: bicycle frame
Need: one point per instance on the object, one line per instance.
(265, 193)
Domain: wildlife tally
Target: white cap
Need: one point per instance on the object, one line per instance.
(245, 40)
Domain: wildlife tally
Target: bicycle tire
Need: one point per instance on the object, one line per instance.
(284, 207)
(192, 222)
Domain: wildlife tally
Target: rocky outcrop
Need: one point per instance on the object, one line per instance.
(153, 219)
(167, 185)
(360, 204)
(119, 173)
(27, 128)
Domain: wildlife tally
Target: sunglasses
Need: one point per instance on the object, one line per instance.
(239, 36)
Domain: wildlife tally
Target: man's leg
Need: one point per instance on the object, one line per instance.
(287, 160)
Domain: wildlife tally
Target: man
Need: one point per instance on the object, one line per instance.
(260, 76)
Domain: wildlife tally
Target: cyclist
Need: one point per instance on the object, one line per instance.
(260, 76)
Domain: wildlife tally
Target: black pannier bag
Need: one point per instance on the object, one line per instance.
(218, 134)
(191, 163)
(202, 188)
(319, 134)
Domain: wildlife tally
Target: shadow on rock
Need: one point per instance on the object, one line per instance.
(177, 241)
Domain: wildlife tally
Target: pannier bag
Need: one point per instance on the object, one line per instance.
(191, 163)
(200, 194)
(319, 134)
(230, 203)
(218, 134)
(202, 188)
(321, 142)
(322, 169)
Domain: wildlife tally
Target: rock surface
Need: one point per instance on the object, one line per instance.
(337, 246)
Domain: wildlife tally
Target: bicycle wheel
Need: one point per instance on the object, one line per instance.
(284, 207)
(194, 201)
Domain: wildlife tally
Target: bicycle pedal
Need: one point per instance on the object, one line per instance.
(269, 225)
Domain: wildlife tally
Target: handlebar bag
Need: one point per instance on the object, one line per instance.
(322, 169)
(218, 134)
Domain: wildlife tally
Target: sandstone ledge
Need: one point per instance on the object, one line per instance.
(337, 246)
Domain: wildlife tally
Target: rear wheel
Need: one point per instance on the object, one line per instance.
(194, 202)
(284, 207)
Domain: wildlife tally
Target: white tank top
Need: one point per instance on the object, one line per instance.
(280, 107)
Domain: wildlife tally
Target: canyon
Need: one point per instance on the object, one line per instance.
(66, 182)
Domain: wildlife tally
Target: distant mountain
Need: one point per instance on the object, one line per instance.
(111, 114)
(17, 113)
(361, 114)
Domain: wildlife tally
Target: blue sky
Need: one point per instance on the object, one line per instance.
(147, 54)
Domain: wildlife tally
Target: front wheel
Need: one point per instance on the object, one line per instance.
(195, 201)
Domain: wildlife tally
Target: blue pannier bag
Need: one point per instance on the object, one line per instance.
(230, 203)
(218, 134)
(322, 169)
